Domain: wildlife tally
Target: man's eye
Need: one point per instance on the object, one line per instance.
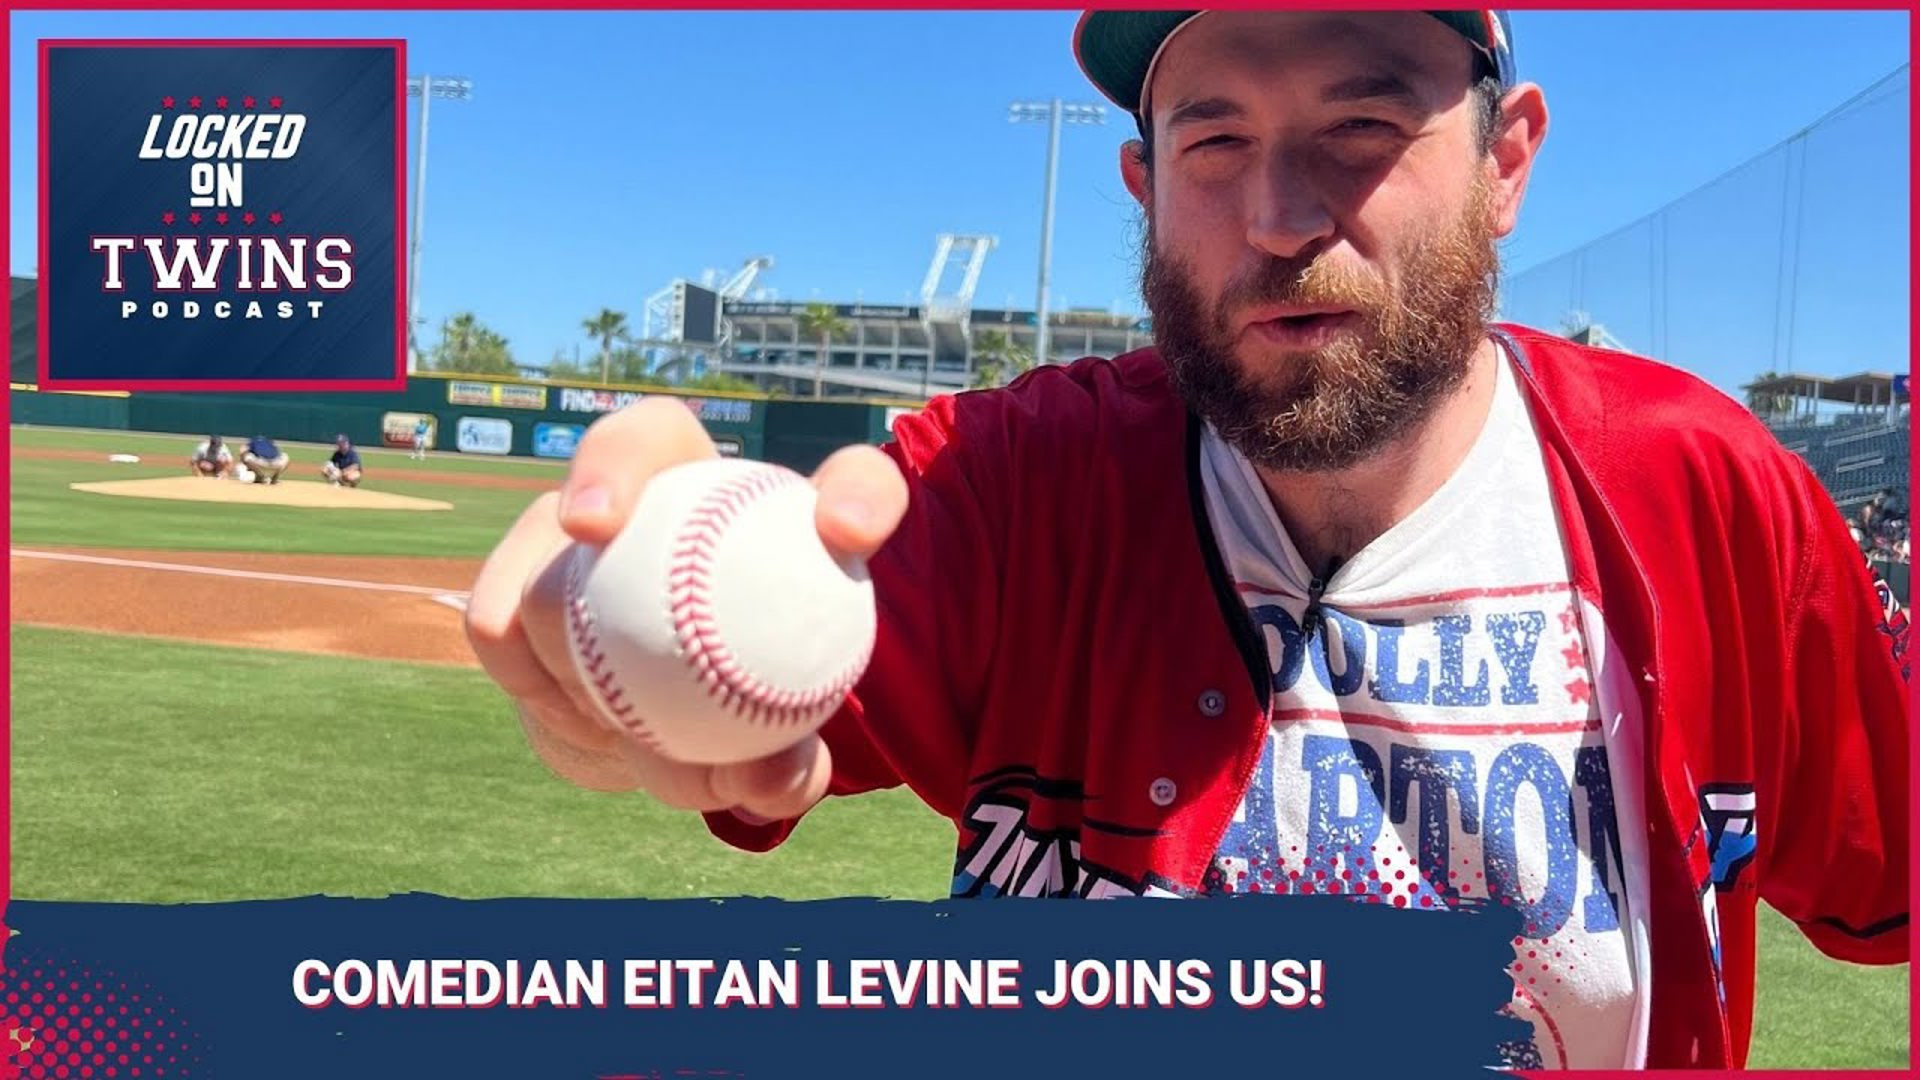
(1213, 141)
(1364, 124)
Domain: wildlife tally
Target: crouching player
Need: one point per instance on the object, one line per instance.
(344, 466)
(212, 458)
(265, 459)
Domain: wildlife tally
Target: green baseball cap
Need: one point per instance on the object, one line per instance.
(1117, 49)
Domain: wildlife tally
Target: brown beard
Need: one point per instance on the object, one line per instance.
(1336, 406)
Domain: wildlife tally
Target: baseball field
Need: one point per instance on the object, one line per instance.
(257, 697)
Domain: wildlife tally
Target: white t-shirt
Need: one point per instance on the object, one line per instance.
(1436, 733)
(205, 452)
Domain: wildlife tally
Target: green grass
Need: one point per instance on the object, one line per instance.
(46, 511)
(209, 773)
(202, 773)
(1816, 1013)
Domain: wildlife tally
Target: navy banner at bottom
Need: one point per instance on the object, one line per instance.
(753, 988)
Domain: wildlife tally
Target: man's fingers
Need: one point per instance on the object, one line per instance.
(543, 612)
(493, 621)
(782, 786)
(497, 624)
(616, 458)
(862, 499)
(677, 784)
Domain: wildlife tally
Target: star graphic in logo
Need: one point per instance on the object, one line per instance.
(247, 217)
(220, 218)
(194, 101)
(194, 217)
(1579, 691)
(166, 218)
(273, 102)
(247, 101)
(275, 217)
(220, 102)
(166, 102)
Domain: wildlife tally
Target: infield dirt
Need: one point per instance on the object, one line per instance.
(379, 608)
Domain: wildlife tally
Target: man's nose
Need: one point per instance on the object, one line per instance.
(1288, 214)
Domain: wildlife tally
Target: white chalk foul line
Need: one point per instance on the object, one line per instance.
(253, 575)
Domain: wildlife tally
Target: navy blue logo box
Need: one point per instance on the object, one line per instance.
(222, 215)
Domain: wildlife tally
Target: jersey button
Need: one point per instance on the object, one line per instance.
(1212, 702)
(1162, 792)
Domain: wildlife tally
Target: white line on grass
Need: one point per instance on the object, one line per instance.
(255, 575)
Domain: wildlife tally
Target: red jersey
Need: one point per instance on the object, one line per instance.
(1062, 668)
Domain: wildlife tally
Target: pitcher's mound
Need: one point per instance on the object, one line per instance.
(285, 493)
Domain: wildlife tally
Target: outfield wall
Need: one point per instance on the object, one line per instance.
(468, 415)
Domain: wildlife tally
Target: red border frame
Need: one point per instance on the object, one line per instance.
(399, 380)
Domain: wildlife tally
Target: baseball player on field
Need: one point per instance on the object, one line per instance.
(211, 458)
(1341, 587)
(420, 434)
(343, 466)
(265, 459)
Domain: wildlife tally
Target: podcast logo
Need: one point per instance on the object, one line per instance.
(221, 215)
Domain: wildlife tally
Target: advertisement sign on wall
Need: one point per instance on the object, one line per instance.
(556, 440)
(499, 395)
(396, 429)
(577, 399)
(516, 396)
(485, 435)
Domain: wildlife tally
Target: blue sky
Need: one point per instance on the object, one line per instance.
(604, 154)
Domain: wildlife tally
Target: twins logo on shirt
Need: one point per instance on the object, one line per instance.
(1893, 620)
(1727, 810)
(1005, 854)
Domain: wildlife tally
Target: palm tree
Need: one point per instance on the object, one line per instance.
(457, 338)
(1767, 401)
(821, 320)
(469, 346)
(999, 360)
(492, 355)
(607, 327)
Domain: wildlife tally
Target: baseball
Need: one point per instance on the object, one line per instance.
(716, 627)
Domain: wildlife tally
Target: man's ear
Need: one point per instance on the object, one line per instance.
(1134, 172)
(1522, 127)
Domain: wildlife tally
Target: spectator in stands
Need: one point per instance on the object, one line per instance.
(344, 466)
(1862, 526)
(212, 458)
(265, 459)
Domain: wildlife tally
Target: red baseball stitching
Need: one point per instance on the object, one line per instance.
(586, 643)
(690, 607)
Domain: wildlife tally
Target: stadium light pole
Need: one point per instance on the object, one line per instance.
(426, 88)
(1053, 113)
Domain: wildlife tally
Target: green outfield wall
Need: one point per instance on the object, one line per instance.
(468, 415)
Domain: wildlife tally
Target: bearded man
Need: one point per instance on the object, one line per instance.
(1342, 587)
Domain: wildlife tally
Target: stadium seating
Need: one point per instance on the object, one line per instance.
(1855, 455)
